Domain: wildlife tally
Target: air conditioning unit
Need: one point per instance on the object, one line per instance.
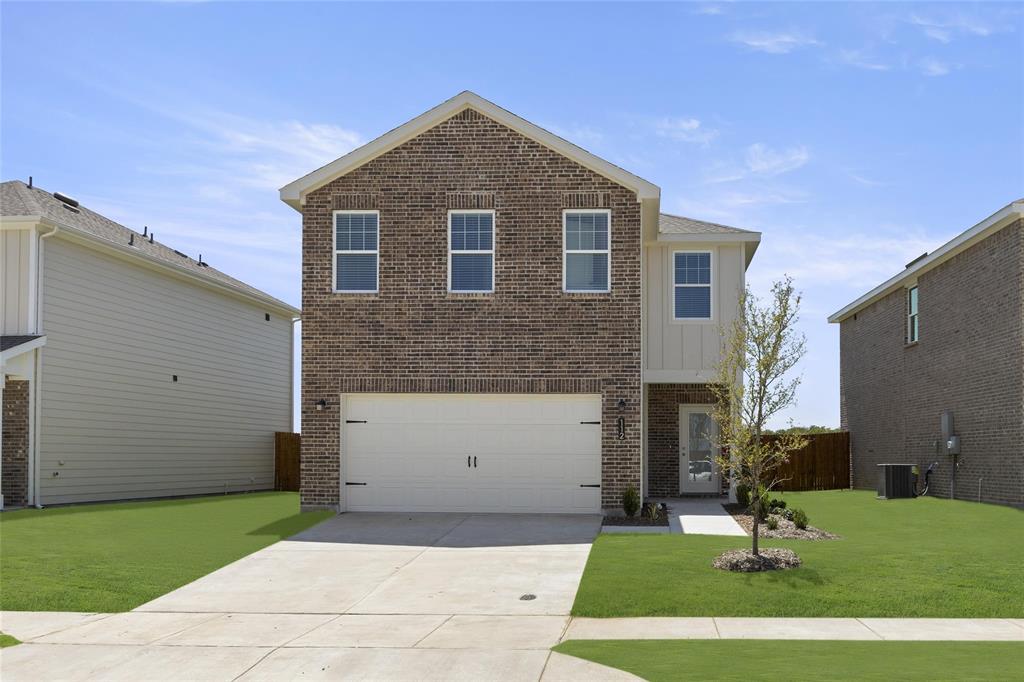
(895, 481)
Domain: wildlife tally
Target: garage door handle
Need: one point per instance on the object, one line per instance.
(355, 421)
(590, 423)
(474, 461)
(351, 483)
(590, 485)
(467, 461)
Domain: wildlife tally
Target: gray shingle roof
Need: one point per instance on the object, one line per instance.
(12, 341)
(18, 199)
(676, 224)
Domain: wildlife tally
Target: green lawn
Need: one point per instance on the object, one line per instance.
(924, 558)
(748, 660)
(114, 557)
(6, 641)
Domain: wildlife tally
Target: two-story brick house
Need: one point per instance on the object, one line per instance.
(495, 319)
(938, 351)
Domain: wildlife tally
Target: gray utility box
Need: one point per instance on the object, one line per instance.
(895, 481)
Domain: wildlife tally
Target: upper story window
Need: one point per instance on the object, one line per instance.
(355, 251)
(471, 251)
(692, 285)
(912, 330)
(588, 257)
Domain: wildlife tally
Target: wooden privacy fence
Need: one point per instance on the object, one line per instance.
(823, 465)
(286, 460)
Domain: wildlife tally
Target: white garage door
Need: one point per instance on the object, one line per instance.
(479, 453)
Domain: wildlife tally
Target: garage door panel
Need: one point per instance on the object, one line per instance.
(532, 453)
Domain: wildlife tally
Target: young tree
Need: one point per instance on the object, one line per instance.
(758, 350)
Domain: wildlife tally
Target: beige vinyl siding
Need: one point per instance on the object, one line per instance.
(15, 249)
(114, 423)
(690, 346)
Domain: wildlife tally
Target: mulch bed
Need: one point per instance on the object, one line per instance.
(768, 559)
(635, 521)
(787, 530)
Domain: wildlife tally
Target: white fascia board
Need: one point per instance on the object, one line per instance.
(10, 353)
(961, 242)
(751, 239)
(294, 192)
(88, 239)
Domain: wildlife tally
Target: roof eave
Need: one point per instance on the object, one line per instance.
(995, 222)
(294, 192)
(269, 301)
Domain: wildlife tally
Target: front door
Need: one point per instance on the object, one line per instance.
(697, 470)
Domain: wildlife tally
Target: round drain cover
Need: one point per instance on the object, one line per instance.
(528, 597)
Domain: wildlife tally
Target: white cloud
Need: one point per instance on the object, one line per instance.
(685, 130)
(763, 160)
(945, 27)
(709, 10)
(781, 42)
(930, 66)
(862, 60)
(582, 135)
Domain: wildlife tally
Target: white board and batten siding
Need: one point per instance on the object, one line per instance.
(115, 425)
(683, 351)
(15, 282)
(471, 453)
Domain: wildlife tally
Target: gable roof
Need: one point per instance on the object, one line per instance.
(1004, 217)
(18, 200)
(294, 192)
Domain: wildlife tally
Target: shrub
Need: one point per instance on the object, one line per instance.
(777, 504)
(773, 522)
(652, 511)
(786, 514)
(800, 519)
(743, 496)
(630, 501)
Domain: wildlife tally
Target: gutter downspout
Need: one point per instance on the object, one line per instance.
(37, 375)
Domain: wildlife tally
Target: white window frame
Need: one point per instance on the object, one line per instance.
(479, 252)
(913, 316)
(565, 252)
(710, 285)
(340, 252)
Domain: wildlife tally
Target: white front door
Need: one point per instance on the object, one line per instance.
(471, 453)
(697, 470)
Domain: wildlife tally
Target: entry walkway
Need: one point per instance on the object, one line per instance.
(701, 516)
(896, 629)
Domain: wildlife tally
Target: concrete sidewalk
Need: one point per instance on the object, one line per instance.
(893, 629)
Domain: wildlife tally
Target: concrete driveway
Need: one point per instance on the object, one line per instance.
(360, 596)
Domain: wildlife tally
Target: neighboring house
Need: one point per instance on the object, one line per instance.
(497, 320)
(943, 337)
(130, 370)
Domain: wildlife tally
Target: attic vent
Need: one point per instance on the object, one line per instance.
(585, 200)
(183, 255)
(923, 255)
(69, 203)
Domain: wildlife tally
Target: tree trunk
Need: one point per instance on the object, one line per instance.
(757, 518)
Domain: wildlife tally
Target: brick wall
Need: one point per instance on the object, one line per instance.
(414, 336)
(663, 401)
(969, 359)
(15, 443)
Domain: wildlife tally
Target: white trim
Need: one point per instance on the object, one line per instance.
(566, 252)
(995, 222)
(710, 285)
(341, 252)
(913, 334)
(15, 351)
(479, 252)
(294, 193)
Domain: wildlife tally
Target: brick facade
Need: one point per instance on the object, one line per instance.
(414, 336)
(663, 401)
(969, 359)
(15, 443)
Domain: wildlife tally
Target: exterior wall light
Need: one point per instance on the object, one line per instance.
(321, 404)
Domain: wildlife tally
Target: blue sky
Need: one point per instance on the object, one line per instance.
(854, 136)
